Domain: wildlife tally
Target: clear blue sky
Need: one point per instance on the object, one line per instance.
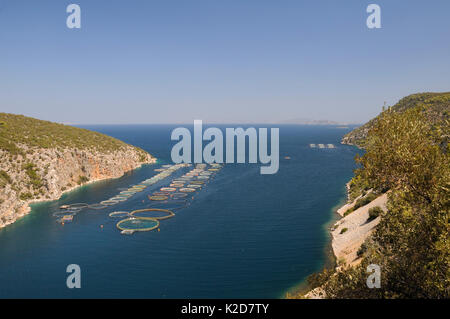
(218, 60)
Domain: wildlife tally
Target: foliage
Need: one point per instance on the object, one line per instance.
(4, 178)
(25, 196)
(363, 201)
(31, 171)
(82, 180)
(437, 109)
(374, 212)
(358, 185)
(19, 130)
(319, 278)
(407, 152)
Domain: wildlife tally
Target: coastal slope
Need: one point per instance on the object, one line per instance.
(396, 216)
(41, 160)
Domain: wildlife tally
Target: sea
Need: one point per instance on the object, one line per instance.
(243, 235)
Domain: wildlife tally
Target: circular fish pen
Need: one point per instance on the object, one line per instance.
(133, 224)
(127, 193)
(168, 189)
(97, 206)
(187, 190)
(109, 202)
(119, 198)
(194, 186)
(119, 214)
(197, 182)
(157, 197)
(161, 194)
(154, 213)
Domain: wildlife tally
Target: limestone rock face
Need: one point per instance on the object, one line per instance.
(40, 174)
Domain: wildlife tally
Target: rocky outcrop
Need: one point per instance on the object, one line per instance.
(39, 174)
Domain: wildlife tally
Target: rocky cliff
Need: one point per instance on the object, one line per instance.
(41, 160)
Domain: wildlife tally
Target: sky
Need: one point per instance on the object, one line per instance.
(220, 61)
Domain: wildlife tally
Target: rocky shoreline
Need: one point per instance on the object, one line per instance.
(58, 172)
(346, 243)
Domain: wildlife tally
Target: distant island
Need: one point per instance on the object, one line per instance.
(397, 213)
(41, 160)
(311, 122)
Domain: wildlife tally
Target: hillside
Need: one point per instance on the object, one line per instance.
(40, 160)
(398, 207)
(436, 105)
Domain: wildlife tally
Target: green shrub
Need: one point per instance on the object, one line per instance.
(363, 201)
(31, 171)
(4, 179)
(82, 179)
(317, 279)
(374, 212)
(343, 230)
(26, 196)
(361, 250)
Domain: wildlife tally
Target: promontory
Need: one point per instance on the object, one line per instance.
(40, 160)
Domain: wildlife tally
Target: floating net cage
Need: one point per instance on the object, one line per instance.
(97, 206)
(133, 224)
(155, 213)
(193, 186)
(109, 202)
(161, 193)
(125, 193)
(197, 182)
(119, 198)
(174, 197)
(158, 197)
(119, 214)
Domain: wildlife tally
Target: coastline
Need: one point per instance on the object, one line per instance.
(26, 208)
(341, 250)
(345, 244)
(302, 288)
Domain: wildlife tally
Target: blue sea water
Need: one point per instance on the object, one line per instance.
(245, 235)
